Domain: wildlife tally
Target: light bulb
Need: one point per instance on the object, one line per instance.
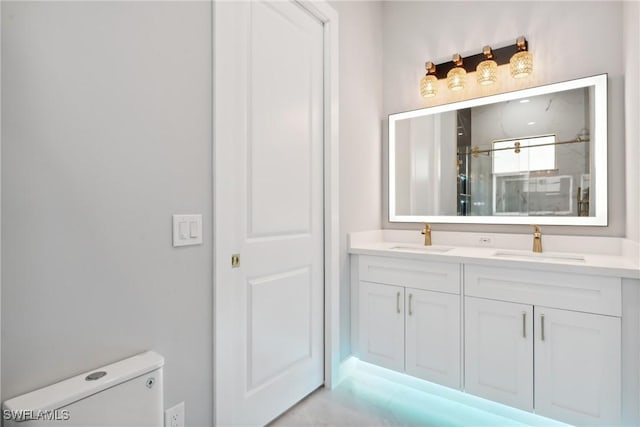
(429, 86)
(456, 78)
(487, 72)
(521, 64)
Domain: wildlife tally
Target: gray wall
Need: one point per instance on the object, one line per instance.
(360, 138)
(106, 133)
(563, 42)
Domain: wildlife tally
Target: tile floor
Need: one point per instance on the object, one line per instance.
(368, 399)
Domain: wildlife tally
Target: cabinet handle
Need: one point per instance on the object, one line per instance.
(524, 324)
(410, 310)
(542, 327)
(398, 302)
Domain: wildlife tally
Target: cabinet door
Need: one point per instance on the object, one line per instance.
(432, 340)
(381, 325)
(499, 351)
(577, 365)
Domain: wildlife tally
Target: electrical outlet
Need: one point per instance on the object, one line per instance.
(174, 417)
(485, 241)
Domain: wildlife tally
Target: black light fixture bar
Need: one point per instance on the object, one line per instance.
(470, 63)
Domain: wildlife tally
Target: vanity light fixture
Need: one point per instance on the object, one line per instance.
(487, 70)
(484, 64)
(429, 83)
(521, 63)
(457, 76)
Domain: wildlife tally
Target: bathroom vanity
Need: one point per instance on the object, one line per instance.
(555, 333)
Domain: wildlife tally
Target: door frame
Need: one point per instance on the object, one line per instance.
(328, 16)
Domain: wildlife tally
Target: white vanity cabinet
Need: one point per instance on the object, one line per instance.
(382, 325)
(577, 367)
(409, 317)
(556, 334)
(549, 342)
(499, 351)
(432, 336)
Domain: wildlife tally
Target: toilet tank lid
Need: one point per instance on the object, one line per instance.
(71, 390)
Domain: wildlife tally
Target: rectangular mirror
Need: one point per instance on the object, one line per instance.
(503, 159)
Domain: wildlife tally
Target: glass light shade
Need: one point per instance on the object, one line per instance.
(429, 86)
(521, 64)
(487, 72)
(456, 78)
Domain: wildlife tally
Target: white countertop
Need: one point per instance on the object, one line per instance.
(604, 256)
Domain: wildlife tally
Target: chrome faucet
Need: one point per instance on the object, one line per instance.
(427, 234)
(537, 239)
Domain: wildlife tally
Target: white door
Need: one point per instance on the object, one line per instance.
(433, 336)
(577, 365)
(381, 325)
(499, 351)
(269, 208)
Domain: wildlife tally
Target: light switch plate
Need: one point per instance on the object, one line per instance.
(187, 230)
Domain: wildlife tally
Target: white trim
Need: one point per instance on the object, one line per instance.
(348, 367)
(329, 17)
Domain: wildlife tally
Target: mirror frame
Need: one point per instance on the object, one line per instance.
(598, 176)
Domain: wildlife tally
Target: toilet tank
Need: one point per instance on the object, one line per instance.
(127, 393)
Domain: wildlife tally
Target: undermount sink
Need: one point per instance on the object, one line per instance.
(533, 256)
(429, 249)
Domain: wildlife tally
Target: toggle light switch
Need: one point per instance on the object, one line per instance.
(187, 230)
